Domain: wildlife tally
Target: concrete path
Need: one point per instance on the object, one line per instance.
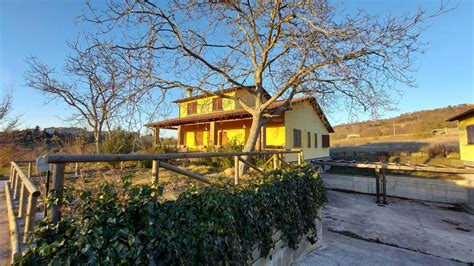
(404, 232)
(4, 229)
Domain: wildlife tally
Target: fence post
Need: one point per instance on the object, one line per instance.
(17, 186)
(21, 207)
(237, 170)
(29, 170)
(30, 215)
(275, 162)
(155, 171)
(76, 170)
(58, 183)
(377, 184)
(12, 172)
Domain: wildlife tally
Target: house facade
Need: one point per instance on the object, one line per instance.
(466, 135)
(213, 121)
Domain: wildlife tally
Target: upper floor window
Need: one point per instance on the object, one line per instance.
(470, 134)
(217, 104)
(191, 108)
(296, 138)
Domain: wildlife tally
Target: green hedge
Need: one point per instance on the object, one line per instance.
(215, 225)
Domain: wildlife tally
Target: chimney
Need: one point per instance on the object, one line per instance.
(189, 93)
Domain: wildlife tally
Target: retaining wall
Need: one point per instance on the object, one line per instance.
(283, 255)
(439, 190)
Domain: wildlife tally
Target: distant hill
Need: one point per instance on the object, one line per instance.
(420, 122)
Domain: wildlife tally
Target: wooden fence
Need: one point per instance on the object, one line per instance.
(26, 193)
(58, 162)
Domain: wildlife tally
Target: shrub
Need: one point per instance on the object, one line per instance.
(438, 150)
(222, 162)
(214, 225)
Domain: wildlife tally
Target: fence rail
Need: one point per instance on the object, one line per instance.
(26, 193)
(58, 162)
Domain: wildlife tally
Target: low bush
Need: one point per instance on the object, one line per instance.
(215, 225)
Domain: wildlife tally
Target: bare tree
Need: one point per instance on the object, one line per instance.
(94, 85)
(285, 47)
(6, 107)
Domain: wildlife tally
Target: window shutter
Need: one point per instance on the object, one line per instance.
(315, 140)
(470, 134)
(325, 141)
(199, 137)
(217, 104)
(309, 139)
(191, 108)
(296, 138)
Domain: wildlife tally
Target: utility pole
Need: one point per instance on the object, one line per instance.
(393, 123)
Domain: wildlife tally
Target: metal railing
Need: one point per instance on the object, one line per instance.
(58, 162)
(380, 169)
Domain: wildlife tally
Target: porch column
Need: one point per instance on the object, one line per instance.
(263, 137)
(179, 136)
(212, 133)
(156, 136)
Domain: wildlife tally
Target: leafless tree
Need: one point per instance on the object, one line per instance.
(6, 107)
(285, 47)
(93, 83)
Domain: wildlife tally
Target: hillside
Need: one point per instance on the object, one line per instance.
(416, 124)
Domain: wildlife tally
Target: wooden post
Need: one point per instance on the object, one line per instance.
(58, 183)
(17, 186)
(155, 172)
(21, 207)
(213, 133)
(263, 137)
(14, 176)
(275, 162)
(29, 170)
(12, 172)
(76, 170)
(179, 137)
(237, 170)
(30, 216)
(156, 137)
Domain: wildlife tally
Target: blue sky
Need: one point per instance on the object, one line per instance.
(41, 29)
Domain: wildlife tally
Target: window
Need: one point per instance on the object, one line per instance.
(325, 141)
(296, 138)
(470, 134)
(217, 104)
(192, 108)
(315, 140)
(309, 139)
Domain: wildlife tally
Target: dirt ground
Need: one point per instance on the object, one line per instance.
(394, 143)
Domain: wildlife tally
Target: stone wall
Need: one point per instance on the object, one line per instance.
(439, 190)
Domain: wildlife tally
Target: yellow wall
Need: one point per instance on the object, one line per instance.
(204, 105)
(466, 151)
(275, 135)
(303, 117)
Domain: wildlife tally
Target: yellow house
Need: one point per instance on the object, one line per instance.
(466, 135)
(206, 121)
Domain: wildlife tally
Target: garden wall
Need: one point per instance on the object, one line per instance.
(283, 255)
(438, 190)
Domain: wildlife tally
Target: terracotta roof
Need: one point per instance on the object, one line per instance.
(462, 115)
(236, 114)
(266, 94)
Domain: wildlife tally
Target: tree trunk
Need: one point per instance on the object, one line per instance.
(257, 123)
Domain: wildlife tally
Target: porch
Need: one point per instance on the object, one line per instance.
(199, 136)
